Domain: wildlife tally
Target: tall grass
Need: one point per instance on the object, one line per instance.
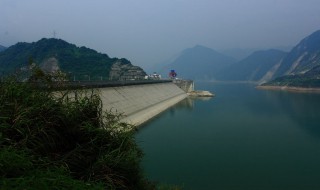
(63, 140)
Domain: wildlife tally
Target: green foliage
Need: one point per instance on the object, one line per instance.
(14, 162)
(77, 62)
(48, 179)
(63, 140)
(310, 79)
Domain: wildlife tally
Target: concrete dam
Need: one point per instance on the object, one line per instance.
(139, 101)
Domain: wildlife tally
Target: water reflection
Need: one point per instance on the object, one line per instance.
(302, 108)
(188, 103)
(244, 138)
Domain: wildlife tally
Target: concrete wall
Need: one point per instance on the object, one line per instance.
(185, 85)
(140, 103)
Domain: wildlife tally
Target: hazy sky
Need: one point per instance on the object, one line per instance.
(151, 31)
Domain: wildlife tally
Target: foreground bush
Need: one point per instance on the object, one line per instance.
(63, 140)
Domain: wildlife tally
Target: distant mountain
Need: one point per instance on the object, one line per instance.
(199, 62)
(258, 66)
(303, 56)
(238, 53)
(301, 67)
(80, 63)
(310, 79)
(2, 48)
(161, 67)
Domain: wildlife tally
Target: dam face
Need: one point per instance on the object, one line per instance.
(139, 103)
(185, 85)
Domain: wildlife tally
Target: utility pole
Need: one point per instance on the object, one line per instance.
(54, 34)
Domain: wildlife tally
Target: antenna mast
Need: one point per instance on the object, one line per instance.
(54, 34)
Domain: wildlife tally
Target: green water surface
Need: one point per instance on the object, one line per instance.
(243, 138)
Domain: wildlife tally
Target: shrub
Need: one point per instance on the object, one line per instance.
(53, 139)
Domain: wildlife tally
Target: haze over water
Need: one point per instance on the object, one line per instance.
(243, 138)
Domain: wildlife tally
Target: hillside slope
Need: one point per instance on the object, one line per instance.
(302, 65)
(55, 54)
(310, 79)
(303, 56)
(260, 65)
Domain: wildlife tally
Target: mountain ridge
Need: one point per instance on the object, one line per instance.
(302, 65)
(81, 62)
(298, 59)
(256, 67)
(199, 62)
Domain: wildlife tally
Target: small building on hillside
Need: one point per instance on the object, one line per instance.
(154, 76)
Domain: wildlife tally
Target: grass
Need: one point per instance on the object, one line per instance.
(63, 140)
(54, 138)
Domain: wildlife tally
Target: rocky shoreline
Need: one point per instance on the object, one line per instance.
(290, 88)
(200, 93)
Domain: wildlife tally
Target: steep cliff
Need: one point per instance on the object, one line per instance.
(303, 57)
(302, 65)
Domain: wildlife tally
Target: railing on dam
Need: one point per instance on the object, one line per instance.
(185, 85)
(99, 84)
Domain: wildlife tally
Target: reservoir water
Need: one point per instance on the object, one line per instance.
(243, 138)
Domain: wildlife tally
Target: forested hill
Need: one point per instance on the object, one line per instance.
(55, 54)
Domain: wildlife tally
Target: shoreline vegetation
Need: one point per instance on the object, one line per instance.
(65, 141)
(289, 88)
